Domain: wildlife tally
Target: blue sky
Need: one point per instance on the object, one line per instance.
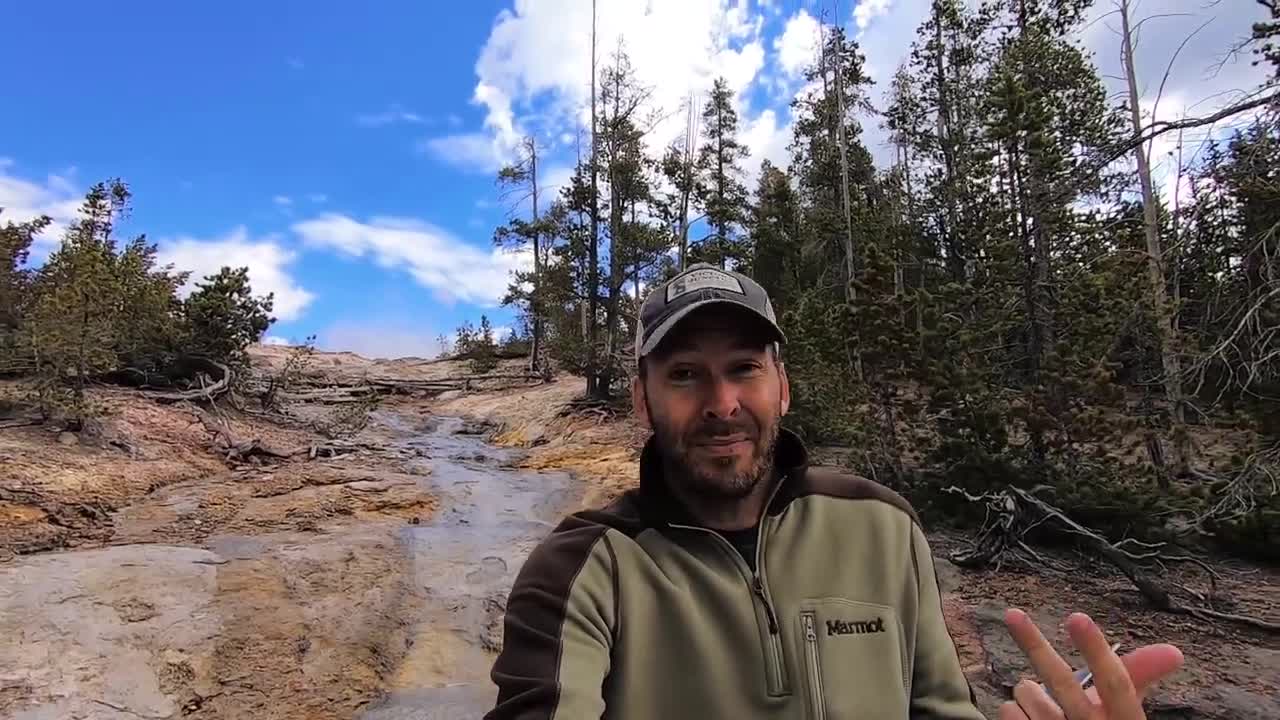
(345, 152)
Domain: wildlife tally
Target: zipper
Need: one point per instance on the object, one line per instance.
(770, 634)
(768, 609)
(817, 703)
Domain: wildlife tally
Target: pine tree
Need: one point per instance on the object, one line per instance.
(224, 317)
(720, 191)
(520, 182)
(15, 282)
(631, 245)
(148, 332)
(1045, 103)
(775, 236)
(71, 326)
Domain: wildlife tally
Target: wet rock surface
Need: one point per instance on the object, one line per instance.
(333, 593)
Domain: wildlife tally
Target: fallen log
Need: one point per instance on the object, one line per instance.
(1014, 512)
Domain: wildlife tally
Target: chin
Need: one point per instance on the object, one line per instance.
(731, 482)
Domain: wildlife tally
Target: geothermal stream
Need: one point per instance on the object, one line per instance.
(379, 618)
(464, 561)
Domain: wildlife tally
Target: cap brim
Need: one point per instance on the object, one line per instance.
(665, 327)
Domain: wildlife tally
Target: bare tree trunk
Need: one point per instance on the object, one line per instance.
(1166, 322)
(690, 149)
(593, 272)
(849, 263)
(955, 262)
(535, 301)
(614, 284)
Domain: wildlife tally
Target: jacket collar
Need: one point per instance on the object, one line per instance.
(660, 507)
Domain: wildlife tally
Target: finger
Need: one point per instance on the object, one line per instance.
(1011, 711)
(1150, 664)
(1052, 670)
(1110, 676)
(1037, 704)
(1147, 665)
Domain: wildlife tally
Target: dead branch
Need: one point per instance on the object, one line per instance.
(1011, 513)
(1156, 129)
(235, 451)
(1203, 364)
(27, 422)
(206, 392)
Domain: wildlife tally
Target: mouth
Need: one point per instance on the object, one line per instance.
(725, 445)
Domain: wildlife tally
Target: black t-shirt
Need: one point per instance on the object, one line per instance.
(745, 543)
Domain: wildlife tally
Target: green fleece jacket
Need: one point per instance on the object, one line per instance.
(634, 612)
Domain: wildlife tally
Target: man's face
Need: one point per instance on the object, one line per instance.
(714, 395)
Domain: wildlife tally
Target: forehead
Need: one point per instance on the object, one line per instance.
(715, 328)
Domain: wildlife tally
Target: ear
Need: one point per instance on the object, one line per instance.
(640, 403)
(786, 387)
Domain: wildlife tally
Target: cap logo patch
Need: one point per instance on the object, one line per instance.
(701, 279)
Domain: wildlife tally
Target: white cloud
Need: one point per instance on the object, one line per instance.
(282, 200)
(295, 63)
(869, 10)
(267, 259)
(23, 199)
(532, 73)
(394, 114)
(318, 198)
(476, 152)
(797, 46)
(383, 339)
(553, 180)
(434, 257)
(275, 340)
(766, 140)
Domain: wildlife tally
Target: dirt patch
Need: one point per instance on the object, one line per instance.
(1230, 671)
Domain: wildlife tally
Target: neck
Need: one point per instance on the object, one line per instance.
(721, 514)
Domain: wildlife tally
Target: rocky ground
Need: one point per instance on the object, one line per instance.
(143, 577)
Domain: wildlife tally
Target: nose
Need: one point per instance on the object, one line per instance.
(722, 401)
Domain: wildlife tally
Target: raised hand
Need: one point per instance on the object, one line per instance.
(1120, 683)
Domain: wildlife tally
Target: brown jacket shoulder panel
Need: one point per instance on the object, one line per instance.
(527, 671)
(829, 482)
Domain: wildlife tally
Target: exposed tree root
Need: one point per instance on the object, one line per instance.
(1014, 512)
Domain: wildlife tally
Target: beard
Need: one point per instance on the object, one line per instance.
(717, 479)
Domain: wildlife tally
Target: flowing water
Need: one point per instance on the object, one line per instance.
(464, 561)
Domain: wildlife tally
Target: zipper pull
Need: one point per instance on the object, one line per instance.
(809, 633)
(768, 609)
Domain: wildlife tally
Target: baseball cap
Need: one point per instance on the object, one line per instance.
(698, 286)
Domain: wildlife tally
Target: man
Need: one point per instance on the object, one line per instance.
(739, 582)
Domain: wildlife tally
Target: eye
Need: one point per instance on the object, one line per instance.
(681, 374)
(747, 367)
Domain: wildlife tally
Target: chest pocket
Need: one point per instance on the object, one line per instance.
(854, 660)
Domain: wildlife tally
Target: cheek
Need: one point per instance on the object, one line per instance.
(673, 413)
(764, 403)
